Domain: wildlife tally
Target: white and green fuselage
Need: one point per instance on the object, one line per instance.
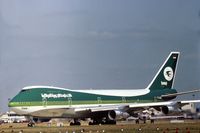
(31, 100)
(35, 98)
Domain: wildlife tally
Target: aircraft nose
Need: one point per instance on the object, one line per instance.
(14, 109)
(10, 103)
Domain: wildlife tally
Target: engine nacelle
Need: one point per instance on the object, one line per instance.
(116, 115)
(169, 109)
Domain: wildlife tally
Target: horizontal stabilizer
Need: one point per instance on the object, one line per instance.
(179, 93)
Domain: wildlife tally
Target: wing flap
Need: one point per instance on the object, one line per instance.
(182, 103)
(144, 105)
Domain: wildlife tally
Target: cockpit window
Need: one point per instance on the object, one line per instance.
(23, 90)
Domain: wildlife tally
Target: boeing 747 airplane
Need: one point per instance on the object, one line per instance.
(102, 106)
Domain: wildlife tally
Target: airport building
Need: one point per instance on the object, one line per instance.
(12, 117)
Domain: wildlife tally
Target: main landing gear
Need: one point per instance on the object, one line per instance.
(76, 122)
(31, 123)
(97, 122)
(94, 122)
(137, 121)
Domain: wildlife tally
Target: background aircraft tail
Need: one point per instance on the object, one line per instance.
(166, 74)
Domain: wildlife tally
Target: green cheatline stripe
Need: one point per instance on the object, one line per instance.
(51, 103)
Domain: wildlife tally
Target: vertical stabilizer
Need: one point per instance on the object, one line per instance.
(166, 74)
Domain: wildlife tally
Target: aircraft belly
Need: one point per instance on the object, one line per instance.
(60, 112)
(44, 111)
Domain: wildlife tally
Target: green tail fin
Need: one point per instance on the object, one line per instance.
(166, 74)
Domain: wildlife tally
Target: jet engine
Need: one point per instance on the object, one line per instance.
(116, 114)
(169, 109)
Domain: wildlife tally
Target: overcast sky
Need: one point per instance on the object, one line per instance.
(81, 44)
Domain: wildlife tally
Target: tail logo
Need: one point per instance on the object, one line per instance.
(168, 73)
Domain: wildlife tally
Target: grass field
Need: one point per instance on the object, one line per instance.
(130, 127)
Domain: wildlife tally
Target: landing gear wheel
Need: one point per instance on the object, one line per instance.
(90, 123)
(95, 122)
(113, 122)
(137, 121)
(31, 124)
(73, 124)
(144, 120)
(76, 122)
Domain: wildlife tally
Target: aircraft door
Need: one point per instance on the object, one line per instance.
(69, 101)
(44, 101)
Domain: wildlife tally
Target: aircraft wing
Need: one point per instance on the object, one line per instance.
(153, 104)
(156, 104)
(136, 106)
(125, 107)
(182, 103)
